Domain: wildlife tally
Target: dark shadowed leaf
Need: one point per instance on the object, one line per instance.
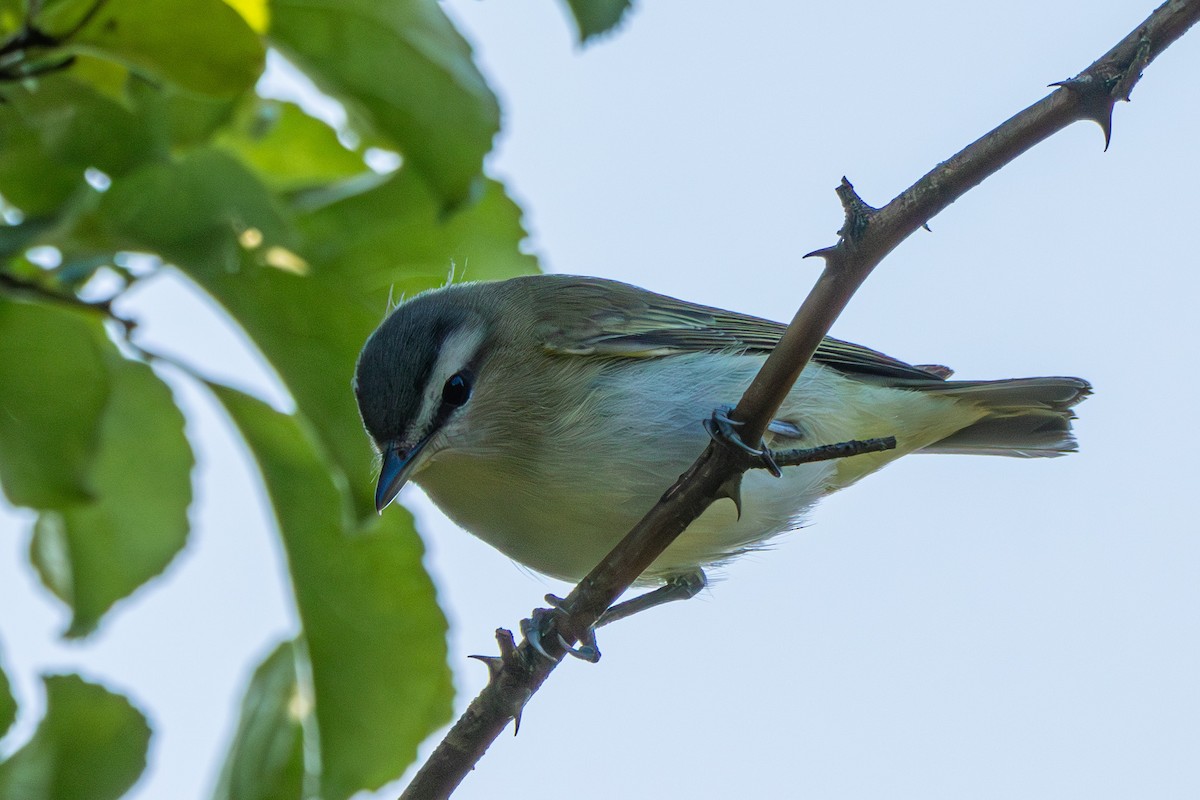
(91, 745)
(372, 629)
(201, 45)
(30, 178)
(403, 69)
(8, 704)
(68, 114)
(94, 554)
(594, 17)
(55, 390)
(266, 758)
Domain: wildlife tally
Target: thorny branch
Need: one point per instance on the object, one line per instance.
(868, 235)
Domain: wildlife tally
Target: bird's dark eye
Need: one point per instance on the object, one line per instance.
(457, 390)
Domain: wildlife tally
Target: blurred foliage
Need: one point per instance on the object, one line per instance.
(594, 17)
(266, 757)
(8, 704)
(134, 142)
(91, 745)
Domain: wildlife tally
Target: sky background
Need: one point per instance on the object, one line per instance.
(951, 627)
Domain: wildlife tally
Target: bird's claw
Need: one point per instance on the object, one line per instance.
(543, 621)
(723, 430)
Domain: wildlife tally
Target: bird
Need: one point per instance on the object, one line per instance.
(546, 414)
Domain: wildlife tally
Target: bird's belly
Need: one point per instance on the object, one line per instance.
(563, 525)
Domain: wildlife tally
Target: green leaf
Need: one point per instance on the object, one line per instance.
(194, 211)
(178, 118)
(201, 45)
(15, 239)
(403, 69)
(67, 116)
(91, 745)
(372, 629)
(266, 758)
(55, 387)
(393, 240)
(92, 555)
(12, 15)
(594, 17)
(286, 147)
(8, 704)
(30, 178)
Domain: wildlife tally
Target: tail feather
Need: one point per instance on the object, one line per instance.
(1026, 417)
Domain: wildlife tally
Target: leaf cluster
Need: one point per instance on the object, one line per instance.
(133, 143)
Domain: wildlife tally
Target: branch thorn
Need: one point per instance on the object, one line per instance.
(732, 490)
(494, 664)
(827, 253)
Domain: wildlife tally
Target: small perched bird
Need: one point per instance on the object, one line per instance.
(546, 414)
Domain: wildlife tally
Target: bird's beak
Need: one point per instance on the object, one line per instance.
(398, 465)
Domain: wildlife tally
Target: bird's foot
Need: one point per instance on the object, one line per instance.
(723, 430)
(681, 587)
(544, 624)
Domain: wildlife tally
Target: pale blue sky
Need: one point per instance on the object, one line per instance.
(952, 627)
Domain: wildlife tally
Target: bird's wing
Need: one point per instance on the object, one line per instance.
(606, 318)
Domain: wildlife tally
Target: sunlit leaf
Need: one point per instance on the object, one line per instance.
(266, 758)
(12, 14)
(392, 239)
(594, 17)
(91, 745)
(107, 78)
(403, 68)
(289, 149)
(202, 45)
(92, 555)
(372, 629)
(178, 119)
(254, 12)
(55, 387)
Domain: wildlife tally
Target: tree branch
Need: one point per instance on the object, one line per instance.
(20, 286)
(866, 237)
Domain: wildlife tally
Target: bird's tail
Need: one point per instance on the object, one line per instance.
(1026, 417)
